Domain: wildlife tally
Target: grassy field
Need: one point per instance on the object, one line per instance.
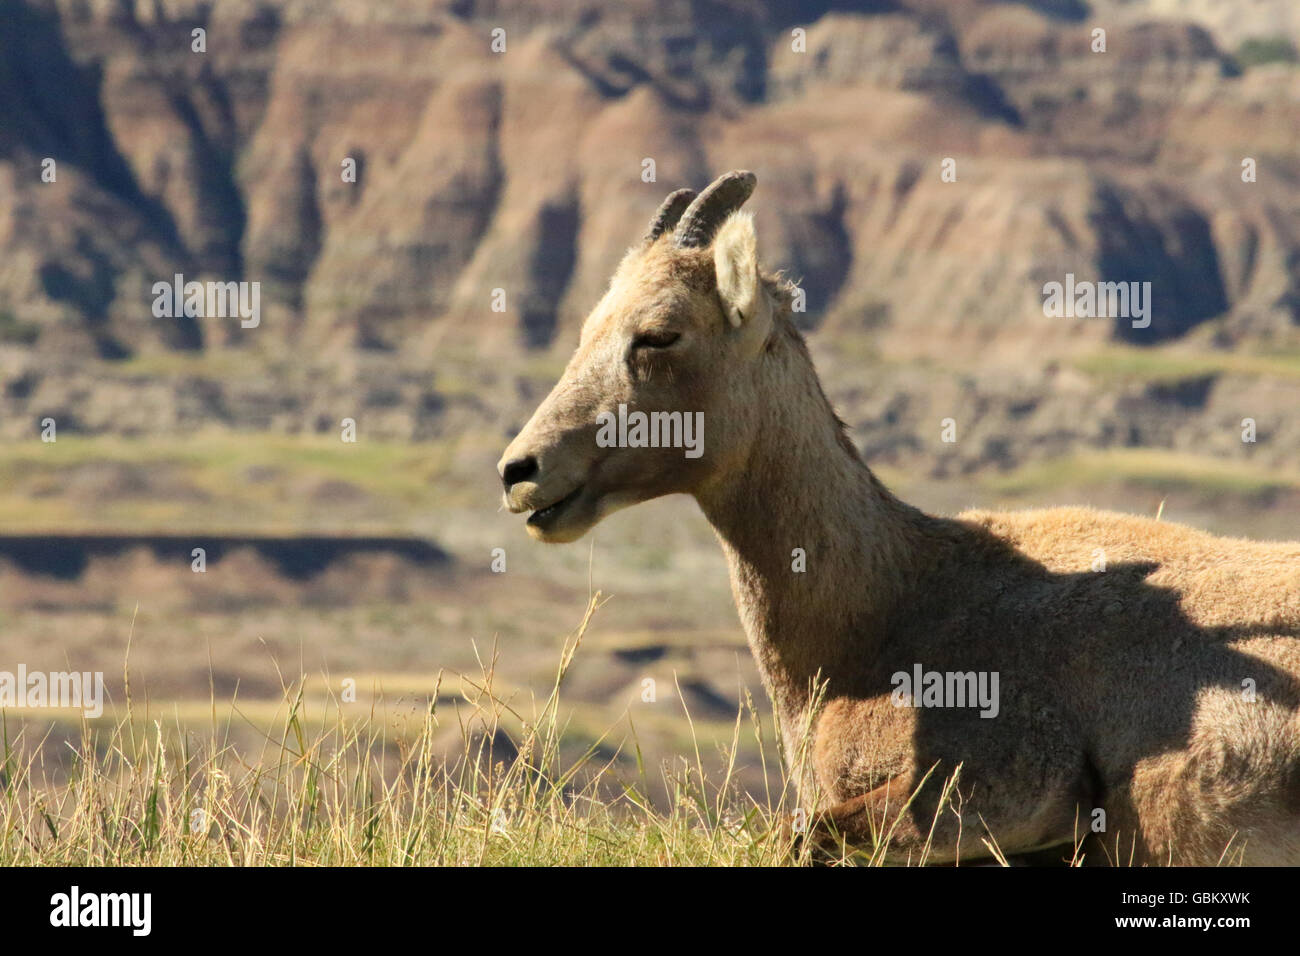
(219, 480)
(1170, 364)
(325, 784)
(321, 787)
(1151, 469)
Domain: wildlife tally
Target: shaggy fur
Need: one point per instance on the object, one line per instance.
(1163, 690)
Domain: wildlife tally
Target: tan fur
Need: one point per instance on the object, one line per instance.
(1120, 690)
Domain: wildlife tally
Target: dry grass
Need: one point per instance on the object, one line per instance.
(325, 789)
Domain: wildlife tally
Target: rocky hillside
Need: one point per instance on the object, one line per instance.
(520, 146)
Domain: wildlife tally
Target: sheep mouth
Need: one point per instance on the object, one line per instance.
(544, 516)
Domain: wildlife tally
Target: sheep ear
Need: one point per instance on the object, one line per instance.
(735, 259)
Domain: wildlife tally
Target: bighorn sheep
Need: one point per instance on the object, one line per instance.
(1162, 690)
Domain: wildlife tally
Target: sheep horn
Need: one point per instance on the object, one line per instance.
(723, 196)
(669, 212)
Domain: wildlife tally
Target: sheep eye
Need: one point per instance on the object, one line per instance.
(658, 339)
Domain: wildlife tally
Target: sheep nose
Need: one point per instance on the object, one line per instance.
(517, 470)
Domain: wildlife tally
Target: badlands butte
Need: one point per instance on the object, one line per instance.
(526, 171)
(523, 171)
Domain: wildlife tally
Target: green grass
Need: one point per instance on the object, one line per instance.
(1149, 468)
(16, 331)
(1168, 365)
(1256, 51)
(225, 364)
(225, 480)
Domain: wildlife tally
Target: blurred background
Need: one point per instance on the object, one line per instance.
(522, 146)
